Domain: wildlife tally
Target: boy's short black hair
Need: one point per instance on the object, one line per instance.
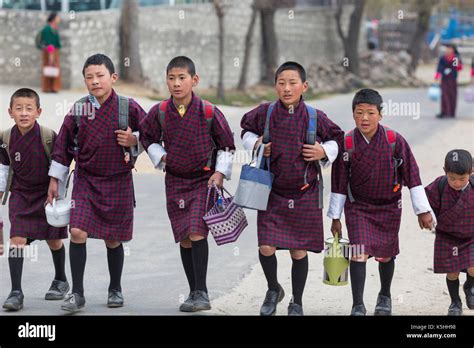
(367, 96)
(458, 162)
(182, 62)
(291, 66)
(25, 93)
(99, 59)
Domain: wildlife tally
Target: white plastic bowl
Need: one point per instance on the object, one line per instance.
(58, 214)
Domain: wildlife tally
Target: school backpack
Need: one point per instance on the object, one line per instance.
(123, 122)
(47, 135)
(208, 110)
(39, 43)
(310, 139)
(444, 180)
(391, 137)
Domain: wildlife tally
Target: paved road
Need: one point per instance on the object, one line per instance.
(153, 281)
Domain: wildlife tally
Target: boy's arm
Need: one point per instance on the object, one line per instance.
(150, 134)
(339, 182)
(224, 140)
(253, 125)
(136, 115)
(411, 177)
(4, 169)
(331, 137)
(62, 156)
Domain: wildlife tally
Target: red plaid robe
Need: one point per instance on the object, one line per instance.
(188, 144)
(454, 243)
(373, 220)
(292, 219)
(29, 189)
(103, 187)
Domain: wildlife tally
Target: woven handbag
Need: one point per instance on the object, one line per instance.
(225, 219)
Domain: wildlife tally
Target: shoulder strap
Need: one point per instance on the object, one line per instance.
(161, 116)
(6, 142)
(208, 110)
(77, 113)
(123, 112)
(391, 137)
(349, 143)
(47, 135)
(441, 185)
(266, 131)
(471, 178)
(312, 125)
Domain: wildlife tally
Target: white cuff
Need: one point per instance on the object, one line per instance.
(58, 171)
(332, 149)
(156, 152)
(248, 141)
(224, 163)
(138, 149)
(3, 177)
(419, 200)
(336, 205)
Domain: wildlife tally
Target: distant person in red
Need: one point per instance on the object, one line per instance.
(50, 44)
(449, 65)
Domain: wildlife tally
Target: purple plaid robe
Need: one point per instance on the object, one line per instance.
(103, 187)
(29, 189)
(188, 146)
(292, 219)
(373, 220)
(454, 243)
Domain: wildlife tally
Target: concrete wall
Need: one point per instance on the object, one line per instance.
(306, 35)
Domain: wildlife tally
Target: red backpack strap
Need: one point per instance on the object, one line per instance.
(349, 143)
(162, 107)
(391, 137)
(209, 109)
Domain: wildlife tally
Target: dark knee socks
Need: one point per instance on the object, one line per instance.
(269, 265)
(187, 260)
(77, 257)
(299, 273)
(15, 262)
(115, 258)
(453, 288)
(358, 271)
(200, 256)
(59, 260)
(469, 281)
(386, 270)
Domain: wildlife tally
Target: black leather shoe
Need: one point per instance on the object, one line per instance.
(14, 301)
(455, 309)
(295, 309)
(201, 301)
(358, 310)
(272, 298)
(57, 290)
(384, 305)
(188, 304)
(469, 296)
(115, 299)
(73, 303)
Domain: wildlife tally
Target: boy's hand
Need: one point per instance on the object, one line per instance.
(425, 220)
(126, 138)
(336, 227)
(218, 178)
(163, 159)
(52, 190)
(313, 152)
(267, 152)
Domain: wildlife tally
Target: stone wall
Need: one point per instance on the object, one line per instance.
(307, 35)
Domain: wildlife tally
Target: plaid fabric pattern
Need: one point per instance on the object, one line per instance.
(292, 219)
(454, 243)
(188, 144)
(103, 186)
(373, 220)
(29, 188)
